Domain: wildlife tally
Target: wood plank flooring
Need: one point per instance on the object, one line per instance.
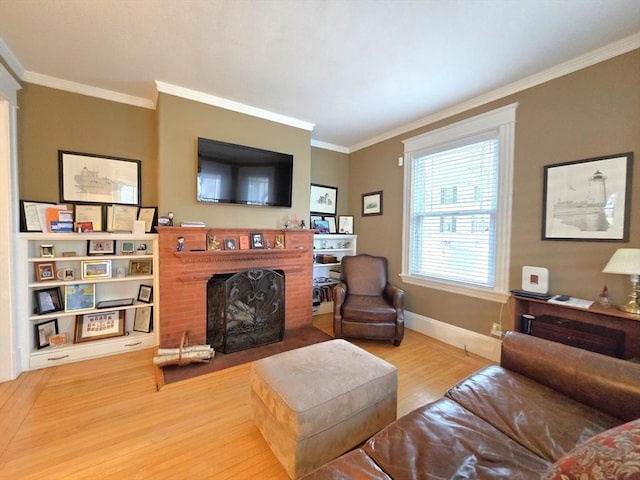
(104, 418)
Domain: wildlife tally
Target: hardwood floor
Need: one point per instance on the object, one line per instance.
(104, 418)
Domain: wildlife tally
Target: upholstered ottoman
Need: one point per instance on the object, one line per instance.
(314, 403)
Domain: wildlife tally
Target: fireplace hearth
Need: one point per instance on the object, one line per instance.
(245, 309)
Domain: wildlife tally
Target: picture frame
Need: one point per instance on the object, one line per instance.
(97, 326)
(345, 224)
(120, 218)
(145, 293)
(47, 251)
(149, 215)
(79, 296)
(95, 269)
(244, 242)
(230, 244)
(140, 267)
(30, 215)
(101, 247)
(143, 319)
(45, 271)
(118, 302)
(323, 199)
(127, 248)
(588, 200)
(48, 300)
(332, 224)
(43, 331)
(372, 203)
(89, 213)
(257, 240)
(321, 226)
(89, 178)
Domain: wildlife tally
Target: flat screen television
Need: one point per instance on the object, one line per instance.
(229, 173)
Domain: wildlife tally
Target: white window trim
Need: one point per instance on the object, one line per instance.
(503, 120)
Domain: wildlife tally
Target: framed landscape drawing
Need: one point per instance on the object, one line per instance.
(324, 199)
(588, 200)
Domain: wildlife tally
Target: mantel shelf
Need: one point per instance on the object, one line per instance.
(239, 255)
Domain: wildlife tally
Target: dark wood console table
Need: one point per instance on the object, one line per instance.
(595, 326)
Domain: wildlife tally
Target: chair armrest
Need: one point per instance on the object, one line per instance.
(395, 295)
(340, 294)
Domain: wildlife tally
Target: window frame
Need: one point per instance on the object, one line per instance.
(503, 121)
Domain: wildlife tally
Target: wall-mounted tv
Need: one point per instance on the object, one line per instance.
(229, 173)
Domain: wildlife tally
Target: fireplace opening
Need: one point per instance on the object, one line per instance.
(245, 309)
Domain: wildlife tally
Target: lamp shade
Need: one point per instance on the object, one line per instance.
(624, 261)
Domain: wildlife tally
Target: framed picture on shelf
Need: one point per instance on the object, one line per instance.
(257, 240)
(149, 215)
(140, 267)
(89, 178)
(48, 300)
(89, 214)
(143, 320)
(324, 199)
(45, 271)
(332, 224)
(127, 248)
(96, 269)
(101, 247)
(372, 204)
(43, 332)
(80, 296)
(96, 326)
(31, 215)
(321, 226)
(345, 224)
(588, 200)
(244, 242)
(145, 293)
(120, 218)
(230, 244)
(47, 251)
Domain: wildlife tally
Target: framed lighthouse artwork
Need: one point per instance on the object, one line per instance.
(588, 200)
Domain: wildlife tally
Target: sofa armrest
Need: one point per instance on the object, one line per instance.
(606, 383)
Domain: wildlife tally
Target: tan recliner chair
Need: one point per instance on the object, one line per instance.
(365, 304)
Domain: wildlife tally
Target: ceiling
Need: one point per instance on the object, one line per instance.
(354, 70)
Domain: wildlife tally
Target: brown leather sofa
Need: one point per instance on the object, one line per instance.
(365, 304)
(547, 410)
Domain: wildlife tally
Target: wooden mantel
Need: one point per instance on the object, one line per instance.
(184, 275)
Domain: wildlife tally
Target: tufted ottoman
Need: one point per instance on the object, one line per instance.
(314, 403)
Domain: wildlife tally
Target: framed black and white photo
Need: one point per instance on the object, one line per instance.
(324, 199)
(43, 332)
(89, 178)
(257, 240)
(588, 200)
(230, 244)
(372, 203)
(145, 293)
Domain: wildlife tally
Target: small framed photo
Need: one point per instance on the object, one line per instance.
(149, 215)
(80, 296)
(96, 326)
(96, 269)
(372, 203)
(324, 199)
(45, 271)
(47, 251)
(43, 332)
(145, 293)
(257, 240)
(101, 247)
(244, 242)
(345, 224)
(48, 300)
(140, 267)
(321, 226)
(143, 321)
(58, 340)
(230, 244)
(127, 248)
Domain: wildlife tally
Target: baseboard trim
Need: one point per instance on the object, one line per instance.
(473, 342)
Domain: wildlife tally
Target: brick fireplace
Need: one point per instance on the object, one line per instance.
(184, 276)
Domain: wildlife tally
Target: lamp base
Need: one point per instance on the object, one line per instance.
(631, 307)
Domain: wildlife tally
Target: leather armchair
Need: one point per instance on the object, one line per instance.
(365, 304)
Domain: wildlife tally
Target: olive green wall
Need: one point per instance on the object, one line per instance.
(332, 169)
(589, 113)
(50, 120)
(181, 122)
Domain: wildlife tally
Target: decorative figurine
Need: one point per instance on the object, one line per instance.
(604, 297)
(170, 217)
(212, 242)
(302, 225)
(180, 245)
(279, 241)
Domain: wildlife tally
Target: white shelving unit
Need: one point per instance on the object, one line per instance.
(337, 245)
(119, 285)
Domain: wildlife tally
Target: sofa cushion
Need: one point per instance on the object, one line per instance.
(367, 308)
(355, 464)
(445, 440)
(611, 454)
(537, 417)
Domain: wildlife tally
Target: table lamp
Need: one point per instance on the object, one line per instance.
(626, 261)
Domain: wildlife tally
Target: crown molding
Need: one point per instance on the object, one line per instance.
(607, 52)
(231, 105)
(12, 61)
(82, 89)
(329, 146)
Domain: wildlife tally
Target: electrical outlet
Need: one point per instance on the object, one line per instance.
(496, 330)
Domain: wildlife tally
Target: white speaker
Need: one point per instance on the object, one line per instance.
(535, 279)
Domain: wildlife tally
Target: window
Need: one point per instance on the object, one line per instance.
(457, 206)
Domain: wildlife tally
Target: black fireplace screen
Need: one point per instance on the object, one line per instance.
(245, 309)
